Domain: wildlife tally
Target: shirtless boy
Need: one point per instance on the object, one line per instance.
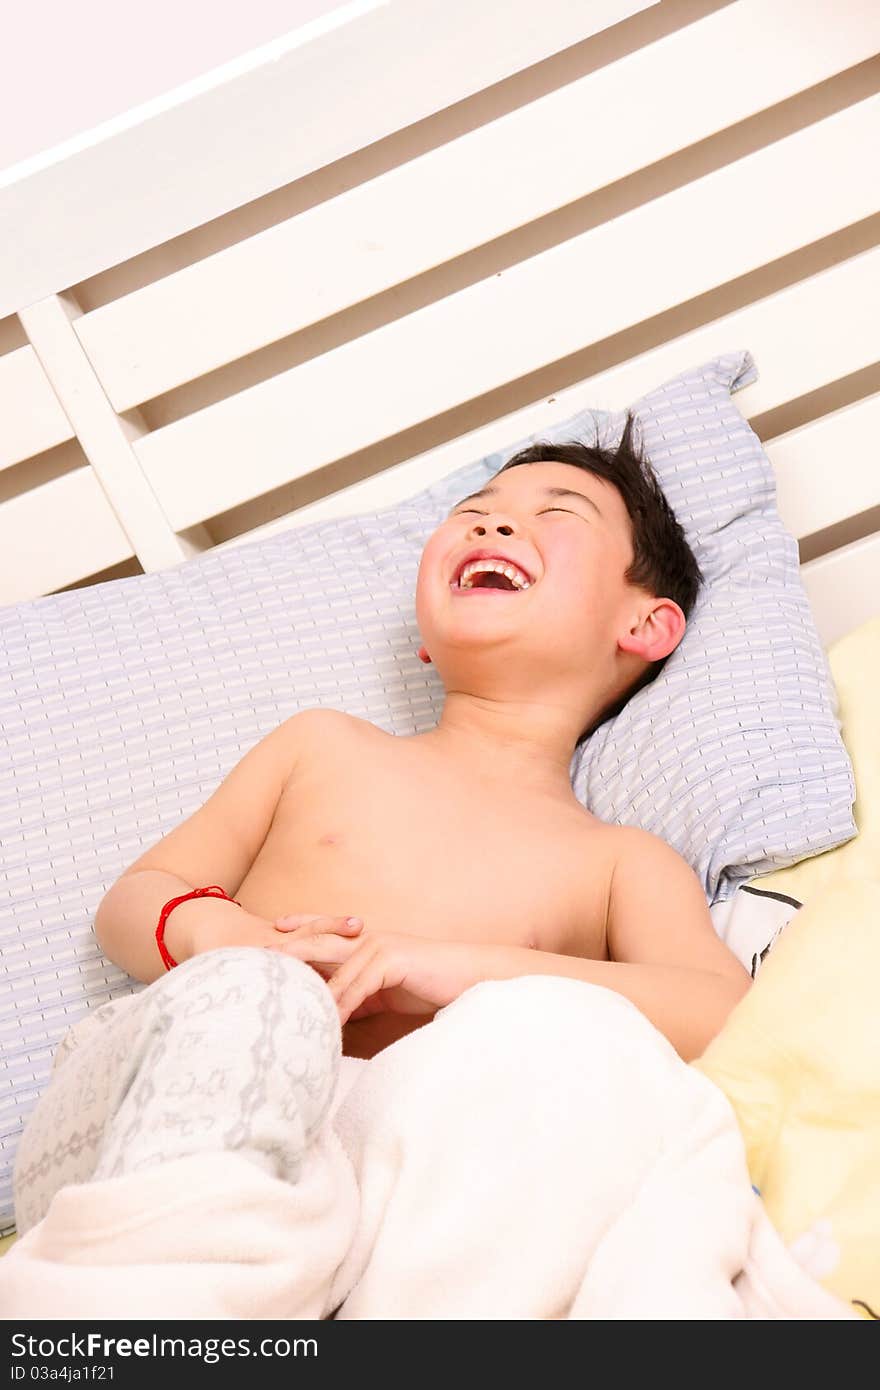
(463, 851)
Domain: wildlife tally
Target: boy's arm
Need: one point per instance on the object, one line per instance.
(660, 929)
(217, 844)
(665, 955)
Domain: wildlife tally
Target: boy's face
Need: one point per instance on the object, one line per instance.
(569, 532)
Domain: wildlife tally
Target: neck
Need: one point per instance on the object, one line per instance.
(503, 739)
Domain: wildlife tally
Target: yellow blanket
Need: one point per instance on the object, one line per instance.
(799, 1060)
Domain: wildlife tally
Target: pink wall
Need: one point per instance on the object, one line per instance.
(69, 66)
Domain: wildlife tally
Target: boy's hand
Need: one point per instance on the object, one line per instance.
(302, 924)
(209, 929)
(390, 973)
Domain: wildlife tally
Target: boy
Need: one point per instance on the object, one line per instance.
(545, 601)
(217, 1094)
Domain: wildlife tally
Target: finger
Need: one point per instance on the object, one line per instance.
(308, 924)
(350, 995)
(368, 972)
(326, 969)
(349, 969)
(372, 1005)
(321, 968)
(295, 920)
(328, 948)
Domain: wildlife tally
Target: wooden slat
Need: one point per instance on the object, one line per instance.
(103, 435)
(470, 191)
(844, 587)
(31, 418)
(828, 470)
(223, 140)
(58, 533)
(678, 246)
(778, 330)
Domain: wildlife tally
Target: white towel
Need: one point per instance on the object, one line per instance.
(538, 1151)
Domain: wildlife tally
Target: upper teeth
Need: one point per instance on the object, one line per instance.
(515, 575)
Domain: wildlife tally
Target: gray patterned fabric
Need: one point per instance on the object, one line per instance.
(123, 705)
(235, 1051)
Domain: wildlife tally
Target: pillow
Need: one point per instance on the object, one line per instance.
(855, 666)
(124, 704)
(752, 920)
(736, 759)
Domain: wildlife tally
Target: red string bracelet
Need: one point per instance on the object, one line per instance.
(215, 891)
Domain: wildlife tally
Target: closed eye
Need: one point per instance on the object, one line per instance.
(477, 511)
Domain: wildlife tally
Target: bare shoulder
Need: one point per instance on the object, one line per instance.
(320, 714)
(643, 864)
(658, 912)
(321, 730)
(628, 848)
(630, 845)
(317, 719)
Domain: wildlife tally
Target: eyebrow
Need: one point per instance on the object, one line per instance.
(547, 491)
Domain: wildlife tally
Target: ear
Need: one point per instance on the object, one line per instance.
(657, 633)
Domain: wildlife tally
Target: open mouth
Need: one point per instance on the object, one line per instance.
(489, 583)
(490, 576)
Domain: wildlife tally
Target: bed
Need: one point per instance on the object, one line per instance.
(319, 324)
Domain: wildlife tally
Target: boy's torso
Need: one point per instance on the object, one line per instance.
(371, 826)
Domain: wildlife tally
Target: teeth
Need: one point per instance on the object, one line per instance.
(515, 575)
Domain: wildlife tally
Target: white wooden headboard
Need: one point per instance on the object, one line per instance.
(415, 233)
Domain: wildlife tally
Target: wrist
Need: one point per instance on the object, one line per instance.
(505, 962)
(192, 925)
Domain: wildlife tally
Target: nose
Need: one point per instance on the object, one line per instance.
(480, 528)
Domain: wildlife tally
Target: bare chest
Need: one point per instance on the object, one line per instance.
(366, 828)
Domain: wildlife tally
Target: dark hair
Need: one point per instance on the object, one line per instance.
(663, 562)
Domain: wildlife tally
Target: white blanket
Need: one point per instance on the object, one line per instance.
(538, 1151)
